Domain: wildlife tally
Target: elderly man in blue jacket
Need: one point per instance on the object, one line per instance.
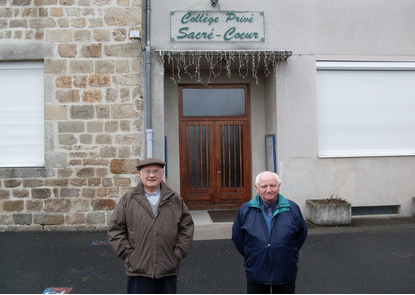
(269, 231)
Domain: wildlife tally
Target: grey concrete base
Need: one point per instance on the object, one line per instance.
(328, 214)
(413, 207)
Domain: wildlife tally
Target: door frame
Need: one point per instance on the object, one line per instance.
(211, 201)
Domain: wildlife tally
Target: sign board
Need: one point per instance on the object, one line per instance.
(217, 26)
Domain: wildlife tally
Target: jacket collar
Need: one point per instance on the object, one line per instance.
(283, 204)
(165, 191)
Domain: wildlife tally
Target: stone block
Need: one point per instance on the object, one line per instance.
(34, 205)
(80, 81)
(81, 155)
(6, 219)
(41, 193)
(18, 23)
(55, 66)
(123, 17)
(94, 181)
(13, 206)
(85, 138)
(82, 112)
(95, 162)
(107, 182)
(56, 160)
(121, 181)
(103, 111)
(111, 126)
(103, 139)
(95, 218)
(123, 111)
(86, 172)
(127, 80)
(99, 80)
(91, 51)
(58, 205)
(103, 204)
(6, 12)
(111, 95)
(127, 50)
(124, 166)
(76, 218)
(67, 139)
(48, 219)
(82, 35)
(33, 182)
(124, 152)
(81, 67)
(128, 139)
(71, 127)
(57, 182)
(65, 96)
(108, 152)
(70, 193)
(66, 172)
(20, 193)
(56, 12)
(48, 22)
(105, 67)
(119, 34)
(54, 112)
(81, 205)
(63, 81)
(10, 183)
(101, 35)
(78, 22)
(45, 2)
(95, 22)
(27, 12)
(102, 172)
(23, 219)
(78, 181)
(88, 193)
(93, 95)
(59, 35)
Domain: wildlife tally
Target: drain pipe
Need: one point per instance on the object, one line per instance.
(149, 130)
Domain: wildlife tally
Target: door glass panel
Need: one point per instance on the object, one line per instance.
(197, 153)
(231, 138)
(214, 102)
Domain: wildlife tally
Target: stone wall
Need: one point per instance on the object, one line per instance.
(93, 110)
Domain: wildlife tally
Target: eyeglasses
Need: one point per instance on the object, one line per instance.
(155, 172)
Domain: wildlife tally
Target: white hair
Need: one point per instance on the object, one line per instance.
(276, 176)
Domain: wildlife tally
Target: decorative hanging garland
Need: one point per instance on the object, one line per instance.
(189, 62)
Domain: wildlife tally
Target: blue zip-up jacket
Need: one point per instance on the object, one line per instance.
(271, 256)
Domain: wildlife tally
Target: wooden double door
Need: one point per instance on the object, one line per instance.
(215, 148)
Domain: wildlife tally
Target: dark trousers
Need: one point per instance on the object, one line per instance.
(144, 285)
(253, 288)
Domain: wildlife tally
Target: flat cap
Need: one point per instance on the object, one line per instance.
(150, 161)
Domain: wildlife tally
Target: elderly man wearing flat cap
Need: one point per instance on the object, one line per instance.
(151, 230)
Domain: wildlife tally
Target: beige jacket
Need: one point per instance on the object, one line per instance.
(151, 246)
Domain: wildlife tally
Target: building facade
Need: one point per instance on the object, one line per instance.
(71, 105)
(321, 93)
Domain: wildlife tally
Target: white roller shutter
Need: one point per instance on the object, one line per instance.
(22, 114)
(366, 109)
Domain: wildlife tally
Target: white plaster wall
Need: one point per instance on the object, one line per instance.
(316, 29)
(369, 27)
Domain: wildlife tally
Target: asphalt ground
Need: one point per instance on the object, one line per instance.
(362, 259)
